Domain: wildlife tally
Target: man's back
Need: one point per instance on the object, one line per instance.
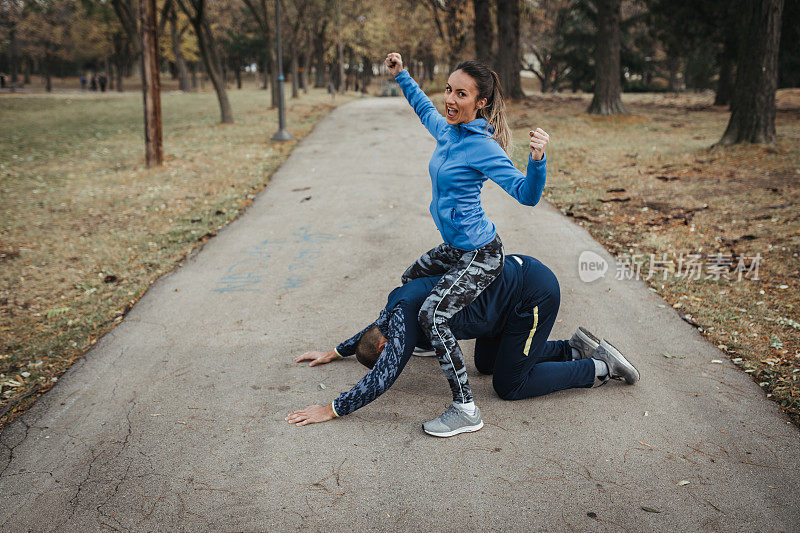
(486, 316)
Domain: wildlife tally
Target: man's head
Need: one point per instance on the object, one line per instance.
(370, 346)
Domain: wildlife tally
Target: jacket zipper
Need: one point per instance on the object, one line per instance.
(438, 170)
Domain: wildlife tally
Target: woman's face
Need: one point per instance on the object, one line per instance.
(461, 98)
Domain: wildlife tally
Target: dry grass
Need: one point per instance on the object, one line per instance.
(85, 228)
(650, 183)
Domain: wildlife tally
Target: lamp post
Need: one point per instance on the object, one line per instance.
(281, 134)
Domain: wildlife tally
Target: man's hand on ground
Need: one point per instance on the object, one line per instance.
(317, 358)
(311, 415)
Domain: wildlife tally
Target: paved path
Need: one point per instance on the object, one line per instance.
(174, 421)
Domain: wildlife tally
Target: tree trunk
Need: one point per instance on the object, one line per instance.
(261, 14)
(151, 84)
(455, 13)
(367, 74)
(194, 75)
(753, 105)
(484, 31)
(119, 57)
(429, 61)
(275, 87)
(26, 71)
(110, 74)
(340, 55)
(180, 61)
(205, 42)
(109, 78)
(14, 60)
(673, 68)
(320, 78)
(118, 72)
(238, 76)
(307, 62)
(726, 74)
(508, 61)
(294, 68)
(607, 98)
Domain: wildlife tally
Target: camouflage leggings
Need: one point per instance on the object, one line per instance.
(464, 276)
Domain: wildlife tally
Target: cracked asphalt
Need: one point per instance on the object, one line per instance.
(174, 420)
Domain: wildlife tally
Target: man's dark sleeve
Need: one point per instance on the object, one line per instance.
(391, 362)
(348, 347)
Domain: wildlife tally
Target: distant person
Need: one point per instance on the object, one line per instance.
(2, 80)
(93, 83)
(511, 320)
(83, 82)
(102, 80)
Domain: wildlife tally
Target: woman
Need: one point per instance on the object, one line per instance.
(473, 139)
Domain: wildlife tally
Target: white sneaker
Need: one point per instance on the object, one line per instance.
(452, 422)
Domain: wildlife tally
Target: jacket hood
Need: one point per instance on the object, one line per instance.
(479, 125)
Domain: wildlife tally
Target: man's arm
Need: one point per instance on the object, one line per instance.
(386, 370)
(344, 349)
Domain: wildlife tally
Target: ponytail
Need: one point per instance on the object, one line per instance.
(495, 114)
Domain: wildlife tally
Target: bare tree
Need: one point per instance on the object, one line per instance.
(484, 31)
(151, 84)
(607, 98)
(263, 17)
(198, 17)
(508, 62)
(176, 37)
(753, 105)
(453, 31)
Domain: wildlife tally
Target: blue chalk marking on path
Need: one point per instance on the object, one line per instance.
(248, 272)
(292, 282)
(239, 282)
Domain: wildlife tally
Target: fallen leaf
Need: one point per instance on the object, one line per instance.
(650, 509)
(683, 482)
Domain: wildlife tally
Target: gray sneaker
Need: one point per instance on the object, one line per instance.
(583, 341)
(618, 366)
(452, 422)
(422, 352)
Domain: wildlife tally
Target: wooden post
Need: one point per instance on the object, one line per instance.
(151, 85)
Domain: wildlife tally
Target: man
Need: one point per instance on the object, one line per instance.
(511, 321)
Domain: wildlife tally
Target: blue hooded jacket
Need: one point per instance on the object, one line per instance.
(465, 156)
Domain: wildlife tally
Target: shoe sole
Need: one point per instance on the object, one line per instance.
(588, 339)
(466, 429)
(614, 352)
